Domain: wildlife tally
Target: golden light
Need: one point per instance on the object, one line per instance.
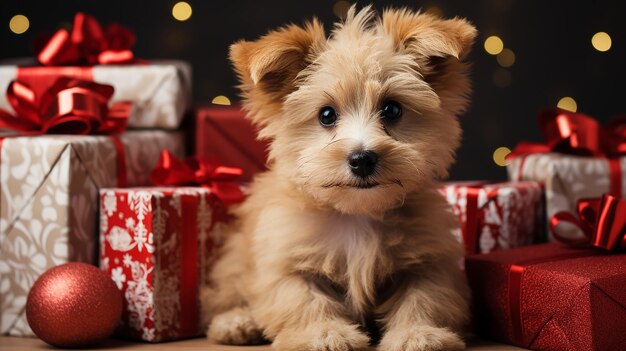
(494, 45)
(341, 8)
(221, 100)
(501, 78)
(500, 154)
(601, 41)
(567, 103)
(506, 58)
(19, 24)
(181, 11)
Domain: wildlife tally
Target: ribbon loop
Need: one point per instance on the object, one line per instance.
(70, 106)
(602, 221)
(88, 44)
(220, 179)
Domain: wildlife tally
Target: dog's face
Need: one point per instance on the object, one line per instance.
(361, 119)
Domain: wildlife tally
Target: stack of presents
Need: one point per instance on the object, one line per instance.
(95, 167)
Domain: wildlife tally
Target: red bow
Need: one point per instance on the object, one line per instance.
(70, 106)
(577, 134)
(194, 171)
(603, 222)
(88, 44)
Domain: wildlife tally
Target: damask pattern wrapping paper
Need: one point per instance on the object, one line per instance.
(160, 92)
(568, 178)
(158, 244)
(49, 202)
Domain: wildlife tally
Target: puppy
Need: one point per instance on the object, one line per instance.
(347, 226)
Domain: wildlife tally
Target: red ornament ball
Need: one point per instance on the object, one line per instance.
(74, 305)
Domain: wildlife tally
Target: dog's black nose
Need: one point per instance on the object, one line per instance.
(362, 163)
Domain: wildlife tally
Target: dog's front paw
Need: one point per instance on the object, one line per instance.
(322, 336)
(421, 338)
(235, 327)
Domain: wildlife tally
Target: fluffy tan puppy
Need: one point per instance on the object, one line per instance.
(346, 229)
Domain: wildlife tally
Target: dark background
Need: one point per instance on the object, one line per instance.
(551, 41)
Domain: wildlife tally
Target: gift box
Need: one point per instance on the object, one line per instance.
(580, 159)
(223, 133)
(49, 202)
(550, 297)
(158, 244)
(495, 216)
(160, 91)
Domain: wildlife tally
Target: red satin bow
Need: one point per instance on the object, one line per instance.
(70, 106)
(603, 221)
(194, 171)
(577, 134)
(88, 44)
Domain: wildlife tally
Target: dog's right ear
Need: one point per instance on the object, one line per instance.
(268, 67)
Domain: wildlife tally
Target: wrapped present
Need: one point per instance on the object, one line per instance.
(158, 244)
(495, 216)
(580, 159)
(550, 297)
(48, 202)
(160, 91)
(223, 133)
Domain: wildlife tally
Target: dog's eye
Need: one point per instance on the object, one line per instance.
(328, 116)
(391, 111)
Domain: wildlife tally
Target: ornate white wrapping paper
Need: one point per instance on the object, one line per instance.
(49, 203)
(159, 91)
(566, 178)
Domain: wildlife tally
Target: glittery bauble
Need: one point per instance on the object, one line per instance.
(74, 305)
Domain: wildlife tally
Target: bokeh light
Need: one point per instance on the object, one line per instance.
(506, 58)
(501, 78)
(340, 9)
(567, 103)
(499, 156)
(601, 41)
(494, 45)
(221, 100)
(19, 24)
(181, 11)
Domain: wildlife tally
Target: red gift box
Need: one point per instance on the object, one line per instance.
(158, 244)
(496, 216)
(550, 297)
(224, 134)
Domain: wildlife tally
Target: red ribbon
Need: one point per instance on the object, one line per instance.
(88, 44)
(473, 219)
(70, 106)
(199, 172)
(578, 134)
(602, 221)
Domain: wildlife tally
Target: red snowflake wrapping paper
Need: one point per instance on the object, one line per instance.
(158, 244)
(496, 216)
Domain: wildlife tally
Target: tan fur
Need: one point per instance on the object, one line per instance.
(312, 257)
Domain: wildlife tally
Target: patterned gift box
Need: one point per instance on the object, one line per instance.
(549, 297)
(568, 178)
(495, 216)
(157, 244)
(160, 91)
(224, 134)
(49, 202)
(580, 158)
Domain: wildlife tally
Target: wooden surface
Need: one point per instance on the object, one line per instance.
(24, 344)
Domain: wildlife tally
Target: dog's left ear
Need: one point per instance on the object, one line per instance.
(268, 67)
(436, 43)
